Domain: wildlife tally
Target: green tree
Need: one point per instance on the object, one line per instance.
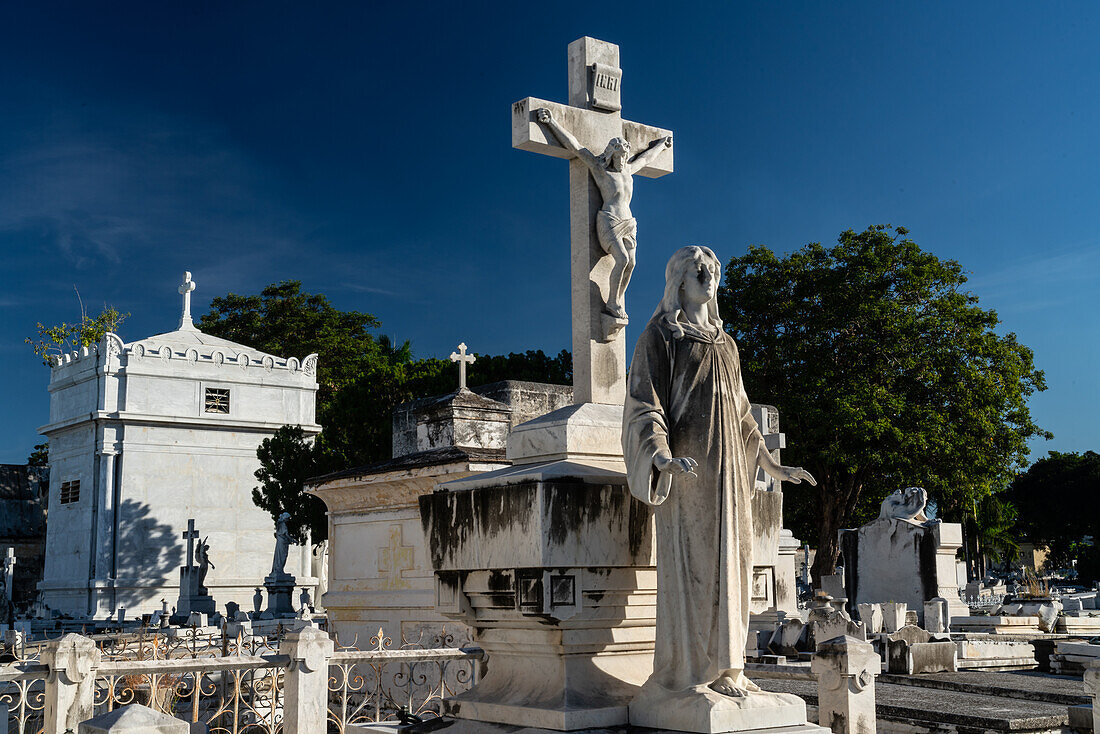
(1053, 498)
(285, 321)
(40, 455)
(886, 372)
(361, 379)
(287, 460)
(993, 524)
(55, 341)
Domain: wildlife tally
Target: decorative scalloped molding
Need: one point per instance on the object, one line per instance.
(113, 345)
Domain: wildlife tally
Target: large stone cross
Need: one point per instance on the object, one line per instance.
(185, 289)
(463, 359)
(191, 535)
(594, 117)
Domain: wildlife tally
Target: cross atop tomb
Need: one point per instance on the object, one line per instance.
(463, 359)
(185, 289)
(593, 117)
(191, 535)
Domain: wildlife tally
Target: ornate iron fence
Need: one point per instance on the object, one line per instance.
(235, 686)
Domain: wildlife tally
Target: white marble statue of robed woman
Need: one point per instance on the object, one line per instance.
(692, 449)
(282, 545)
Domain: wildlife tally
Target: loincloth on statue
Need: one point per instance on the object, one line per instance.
(613, 229)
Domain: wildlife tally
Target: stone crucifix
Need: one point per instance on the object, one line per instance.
(463, 359)
(598, 142)
(191, 535)
(185, 289)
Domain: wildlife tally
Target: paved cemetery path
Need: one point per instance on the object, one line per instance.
(923, 706)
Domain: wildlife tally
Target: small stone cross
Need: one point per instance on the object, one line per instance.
(463, 359)
(9, 571)
(185, 289)
(191, 535)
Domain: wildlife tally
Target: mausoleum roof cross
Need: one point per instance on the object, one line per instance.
(593, 119)
(185, 289)
(463, 359)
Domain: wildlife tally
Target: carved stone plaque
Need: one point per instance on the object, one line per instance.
(606, 82)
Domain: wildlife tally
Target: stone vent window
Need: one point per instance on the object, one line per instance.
(217, 400)
(70, 491)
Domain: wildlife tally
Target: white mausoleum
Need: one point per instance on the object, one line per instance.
(147, 435)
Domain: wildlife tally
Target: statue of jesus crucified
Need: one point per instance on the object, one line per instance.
(617, 228)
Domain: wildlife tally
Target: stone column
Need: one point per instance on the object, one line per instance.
(70, 684)
(1092, 688)
(305, 707)
(846, 668)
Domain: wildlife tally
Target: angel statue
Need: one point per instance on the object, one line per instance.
(202, 556)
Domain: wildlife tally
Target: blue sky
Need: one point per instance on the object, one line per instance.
(364, 149)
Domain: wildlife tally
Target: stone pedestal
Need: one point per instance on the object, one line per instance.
(280, 595)
(1092, 688)
(306, 687)
(192, 598)
(72, 661)
(846, 668)
(704, 711)
(903, 561)
(552, 567)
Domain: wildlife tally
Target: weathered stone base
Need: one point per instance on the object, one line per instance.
(280, 595)
(997, 625)
(477, 727)
(994, 654)
(703, 710)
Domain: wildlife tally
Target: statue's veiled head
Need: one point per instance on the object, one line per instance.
(692, 275)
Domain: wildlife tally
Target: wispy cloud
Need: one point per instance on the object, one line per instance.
(139, 180)
(361, 288)
(1043, 281)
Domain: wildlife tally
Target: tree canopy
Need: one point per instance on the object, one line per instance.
(287, 460)
(1054, 499)
(886, 373)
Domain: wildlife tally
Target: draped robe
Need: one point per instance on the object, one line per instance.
(685, 397)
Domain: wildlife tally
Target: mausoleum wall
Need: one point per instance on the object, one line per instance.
(158, 432)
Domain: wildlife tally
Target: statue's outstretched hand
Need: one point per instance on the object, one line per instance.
(681, 465)
(795, 475)
(542, 114)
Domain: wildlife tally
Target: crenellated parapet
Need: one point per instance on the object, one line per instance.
(112, 353)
